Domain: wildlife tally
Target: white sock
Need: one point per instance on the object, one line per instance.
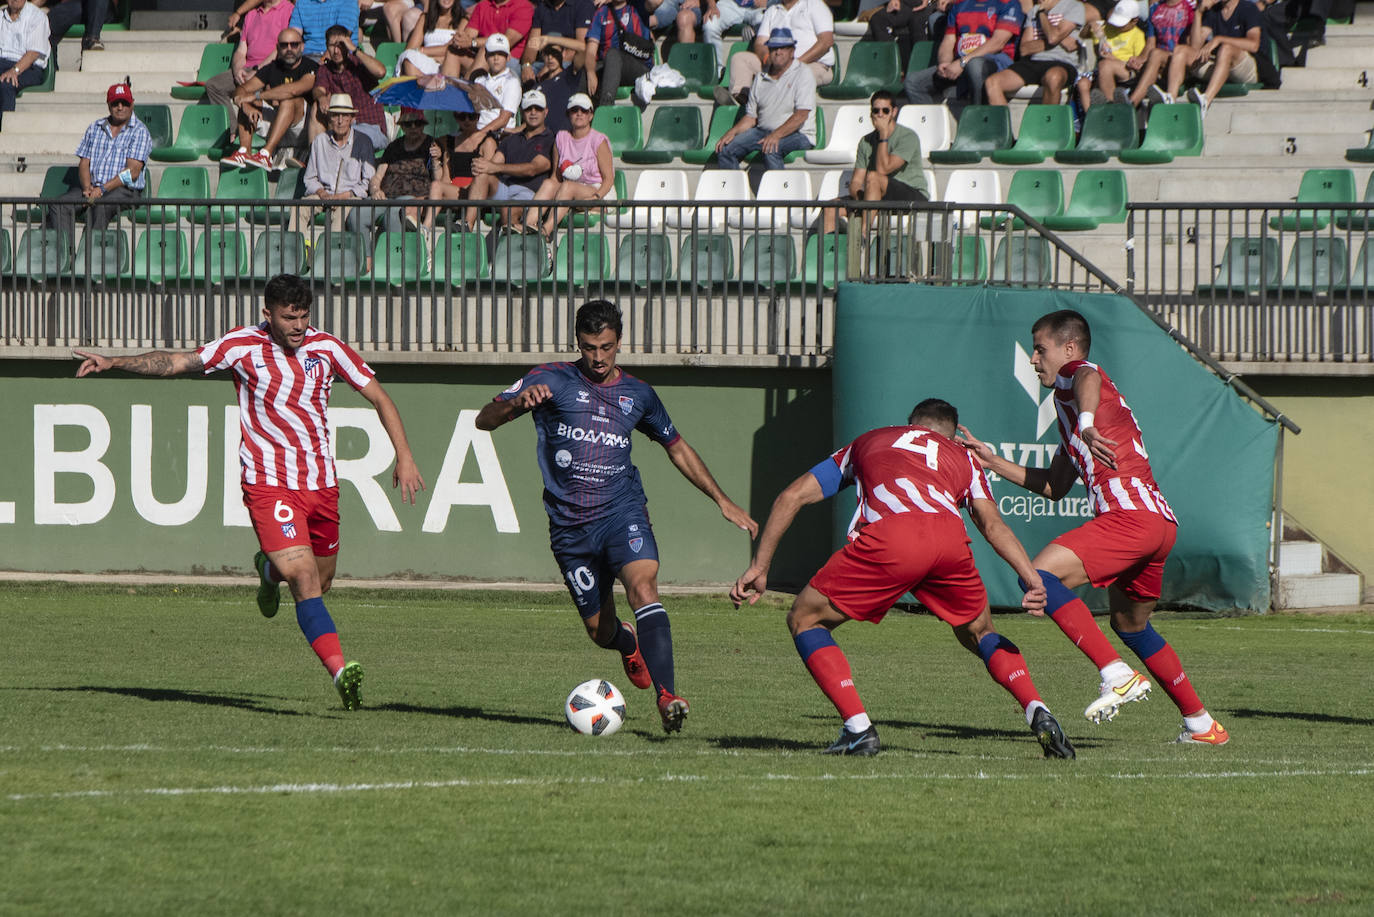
(1032, 707)
(1113, 672)
(858, 723)
(1198, 723)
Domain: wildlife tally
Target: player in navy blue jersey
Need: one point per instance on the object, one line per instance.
(584, 414)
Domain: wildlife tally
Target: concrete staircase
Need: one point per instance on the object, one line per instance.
(1310, 576)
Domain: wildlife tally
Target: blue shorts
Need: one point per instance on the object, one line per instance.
(590, 556)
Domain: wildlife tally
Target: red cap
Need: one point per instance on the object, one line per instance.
(120, 91)
(413, 114)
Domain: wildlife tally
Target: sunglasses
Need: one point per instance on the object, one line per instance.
(579, 111)
(290, 44)
(535, 108)
(881, 111)
(118, 102)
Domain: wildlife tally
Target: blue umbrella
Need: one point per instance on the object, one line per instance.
(435, 92)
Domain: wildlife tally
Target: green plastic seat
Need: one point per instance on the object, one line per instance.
(174, 182)
(43, 254)
(459, 258)
(1317, 265)
(707, 259)
(676, 129)
(1045, 130)
(57, 181)
(6, 254)
(1022, 260)
(290, 186)
(399, 258)
(1231, 90)
(49, 81)
(1248, 265)
(582, 259)
(101, 254)
(622, 126)
(219, 253)
(872, 65)
(1173, 130)
(825, 259)
(214, 60)
(234, 185)
(1360, 220)
(982, 129)
(892, 254)
(722, 119)
(799, 154)
(339, 256)
(161, 255)
(768, 259)
(922, 56)
(1318, 186)
(1107, 130)
(696, 61)
(441, 123)
(389, 52)
(736, 47)
(1362, 153)
(520, 259)
(1039, 192)
(644, 259)
(966, 260)
(1099, 196)
(1362, 269)
(204, 131)
(277, 251)
(158, 120)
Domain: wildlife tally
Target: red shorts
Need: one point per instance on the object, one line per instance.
(931, 561)
(1125, 547)
(283, 518)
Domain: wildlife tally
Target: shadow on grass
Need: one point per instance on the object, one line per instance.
(472, 713)
(1247, 713)
(238, 701)
(762, 743)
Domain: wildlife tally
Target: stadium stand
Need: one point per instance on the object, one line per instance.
(982, 129)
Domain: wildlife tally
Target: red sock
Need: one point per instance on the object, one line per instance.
(1077, 623)
(830, 668)
(1168, 674)
(326, 646)
(1008, 669)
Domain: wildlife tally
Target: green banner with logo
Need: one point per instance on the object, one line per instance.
(1211, 451)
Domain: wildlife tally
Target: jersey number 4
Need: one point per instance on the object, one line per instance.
(929, 450)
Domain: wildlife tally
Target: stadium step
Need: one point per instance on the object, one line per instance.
(1311, 575)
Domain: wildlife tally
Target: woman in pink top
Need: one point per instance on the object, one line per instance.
(582, 169)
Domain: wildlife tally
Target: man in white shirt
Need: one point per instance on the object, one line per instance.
(811, 24)
(780, 116)
(341, 165)
(23, 50)
(503, 85)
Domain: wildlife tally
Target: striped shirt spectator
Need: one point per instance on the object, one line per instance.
(314, 17)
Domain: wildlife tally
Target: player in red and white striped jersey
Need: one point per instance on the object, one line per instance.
(907, 536)
(283, 371)
(1125, 545)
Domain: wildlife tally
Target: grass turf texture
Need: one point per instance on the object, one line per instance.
(169, 751)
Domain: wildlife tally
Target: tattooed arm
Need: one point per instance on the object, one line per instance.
(154, 363)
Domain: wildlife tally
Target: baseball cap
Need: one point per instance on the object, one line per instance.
(1124, 12)
(119, 91)
(781, 38)
(498, 43)
(413, 114)
(580, 100)
(533, 99)
(340, 103)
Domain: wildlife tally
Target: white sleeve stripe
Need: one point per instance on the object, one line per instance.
(915, 496)
(891, 502)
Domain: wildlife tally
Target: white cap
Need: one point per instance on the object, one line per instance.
(497, 43)
(533, 99)
(580, 100)
(1124, 12)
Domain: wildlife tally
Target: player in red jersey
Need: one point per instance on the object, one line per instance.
(283, 372)
(1126, 543)
(907, 536)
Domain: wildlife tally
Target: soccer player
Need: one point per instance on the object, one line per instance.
(1126, 543)
(584, 413)
(906, 536)
(283, 371)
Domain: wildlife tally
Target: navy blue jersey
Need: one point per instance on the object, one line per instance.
(584, 439)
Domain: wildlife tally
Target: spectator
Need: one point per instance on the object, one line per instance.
(23, 50)
(780, 116)
(347, 69)
(454, 156)
(1164, 27)
(435, 45)
(558, 84)
(510, 19)
(405, 173)
(902, 21)
(400, 17)
(980, 39)
(314, 17)
(273, 103)
(63, 14)
(583, 167)
(111, 158)
(887, 163)
(620, 49)
(518, 166)
(668, 14)
(1120, 56)
(1221, 48)
(257, 46)
(563, 25)
(340, 169)
(1048, 55)
(813, 28)
(502, 83)
(720, 16)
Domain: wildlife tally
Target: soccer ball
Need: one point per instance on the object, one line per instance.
(595, 708)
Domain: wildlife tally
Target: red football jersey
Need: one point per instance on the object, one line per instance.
(900, 470)
(1131, 485)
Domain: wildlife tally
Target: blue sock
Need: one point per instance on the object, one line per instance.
(623, 641)
(314, 619)
(656, 643)
(991, 643)
(1144, 643)
(1057, 595)
(808, 641)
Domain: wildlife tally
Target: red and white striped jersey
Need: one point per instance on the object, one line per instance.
(900, 470)
(1131, 485)
(283, 398)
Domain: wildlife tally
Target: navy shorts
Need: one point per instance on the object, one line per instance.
(591, 555)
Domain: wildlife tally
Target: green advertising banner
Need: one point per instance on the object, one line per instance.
(1211, 451)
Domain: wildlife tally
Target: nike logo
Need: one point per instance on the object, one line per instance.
(1121, 691)
(332, 546)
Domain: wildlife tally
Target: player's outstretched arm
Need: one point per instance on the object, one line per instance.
(406, 474)
(500, 412)
(1010, 549)
(1053, 482)
(694, 469)
(1087, 393)
(153, 363)
(752, 583)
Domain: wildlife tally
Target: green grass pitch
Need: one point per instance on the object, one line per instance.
(169, 751)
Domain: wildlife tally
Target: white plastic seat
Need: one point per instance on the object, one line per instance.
(931, 187)
(834, 183)
(728, 185)
(931, 123)
(846, 128)
(972, 186)
(851, 29)
(776, 185)
(651, 185)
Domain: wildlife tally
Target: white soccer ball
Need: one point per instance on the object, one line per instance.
(595, 708)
